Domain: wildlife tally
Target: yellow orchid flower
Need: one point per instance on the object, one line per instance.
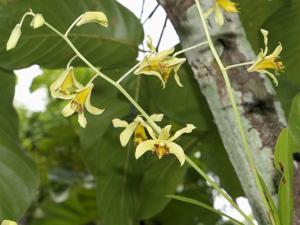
(93, 17)
(163, 143)
(8, 222)
(65, 85)
(264, 61)
(136, 128)
(160, 64)
(220, 6)
(80, 100)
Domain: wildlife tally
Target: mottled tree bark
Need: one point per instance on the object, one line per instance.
(262, 115)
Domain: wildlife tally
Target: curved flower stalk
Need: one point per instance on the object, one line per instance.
(264, 61)
(65, 85)
(218, 8)
(8, 222)
(160, 64)
(164, 144)
(81, 100)
(37, 21)
(136, 128)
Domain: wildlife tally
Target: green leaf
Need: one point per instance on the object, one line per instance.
(78, 209)
(105, 47)
(284, 163)
(254, 14)
(203, 205)
(19, 179)
(294, 123)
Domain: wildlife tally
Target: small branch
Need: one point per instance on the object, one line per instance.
(162, 32)
(71, 61)
(72, 25)
(151, 14)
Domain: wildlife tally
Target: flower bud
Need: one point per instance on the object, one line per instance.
(14, 37)
(37, 21)
(90, 17)
(8, 222)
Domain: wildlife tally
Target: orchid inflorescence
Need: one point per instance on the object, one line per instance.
(147, 135)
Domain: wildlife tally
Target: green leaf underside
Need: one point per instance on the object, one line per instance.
(284, 163)
(18, 175)
(105, 47)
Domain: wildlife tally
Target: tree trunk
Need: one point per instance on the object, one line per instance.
(262, 115)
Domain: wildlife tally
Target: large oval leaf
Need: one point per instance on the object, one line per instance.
(106, 47)
(18, 175)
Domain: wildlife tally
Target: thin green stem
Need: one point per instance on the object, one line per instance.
(129, 72)
(106, 78)
(190, 48)
(233, 103)
(239, 65)
(24, 17)
(217, 188)
(71, 60)
(72, 25)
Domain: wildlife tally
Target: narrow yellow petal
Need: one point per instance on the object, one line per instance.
(188, 129)
(165, 133)
(90, 108)
(119, 123)
(177, 150)
(82, 120)
(127, 133)
(144, 147)
(228, 6)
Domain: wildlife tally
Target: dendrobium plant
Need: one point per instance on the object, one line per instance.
(218, 8)
(136, 128)
(160, 64)
(162, 144)
(81, 100)
(147, 134)
(65, 85)
(264, 61)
